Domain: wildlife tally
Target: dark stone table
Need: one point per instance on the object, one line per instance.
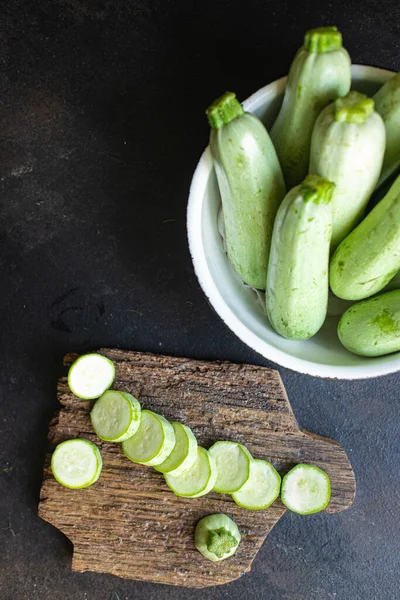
(102, 123)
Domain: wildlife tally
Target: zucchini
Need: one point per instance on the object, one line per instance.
(76, 463)
(217, 537)
(306, 489)
(297, 282)
(369, 257)
(233, 464)
(320, 72)
(184, 453)
(347, 147)
(387, 104)
(196, 481)
(251, 186)
(394, 283)
(116, 416)
(262, 487)
(152, 443)
(90, 376)
(372, 327)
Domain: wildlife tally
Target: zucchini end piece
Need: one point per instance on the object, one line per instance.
(217, 537)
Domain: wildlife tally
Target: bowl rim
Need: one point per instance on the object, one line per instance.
(206, 281)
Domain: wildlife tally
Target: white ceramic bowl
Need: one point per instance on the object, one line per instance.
(238, 306)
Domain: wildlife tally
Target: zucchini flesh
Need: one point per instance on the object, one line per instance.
(76, 463)
(306, 489)
(153, 442)
(233, 464)
(115, 416)
(90, 376)
(196, 481)
(184, 453)
(262, 487)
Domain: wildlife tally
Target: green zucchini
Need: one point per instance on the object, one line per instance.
(387, 104)
(261, 489)
(369, 257)
(320, 72)
(251, 185)
(394, 283)
(372, 327)
(347, 147)
(297, 282)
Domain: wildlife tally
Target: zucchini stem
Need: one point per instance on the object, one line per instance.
(220, 542)
(323, 39)
(224, 110)
(353, 108)
(317, 189)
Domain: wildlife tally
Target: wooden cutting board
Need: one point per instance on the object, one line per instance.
(129, 523)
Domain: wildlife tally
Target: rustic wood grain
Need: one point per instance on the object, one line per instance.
(129, 523)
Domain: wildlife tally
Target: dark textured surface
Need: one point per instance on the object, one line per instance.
(101, 126)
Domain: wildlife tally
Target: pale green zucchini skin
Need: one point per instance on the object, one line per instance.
(369, 257)
(387, 104)
(297, 282)
(372, 327)
(394, 284)
(347, 147)
(251, 185)
(317, 76)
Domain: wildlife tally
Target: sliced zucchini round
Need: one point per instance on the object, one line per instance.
(183, 454)
(306, 489)
(116, 416)
(90, 376)
(153, 441)
(261, 489)
(76, 463)
(233, 464)
(196, 481)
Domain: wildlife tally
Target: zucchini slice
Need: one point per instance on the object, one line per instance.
(152, 443)
(233, 464)
(116, 416)
(90, 376)
(196, 481)
(76, 463)
(262, 488)
(306, 489)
